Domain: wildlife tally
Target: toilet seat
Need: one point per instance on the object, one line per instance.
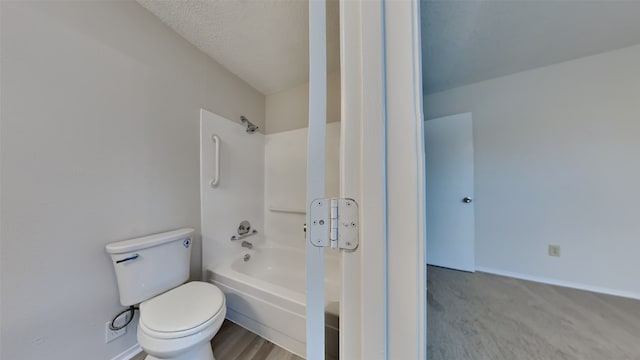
(182, 311)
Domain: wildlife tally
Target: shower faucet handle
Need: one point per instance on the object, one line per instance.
(244, 227)
(244, 230)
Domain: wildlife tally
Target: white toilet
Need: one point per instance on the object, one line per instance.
(177, 320)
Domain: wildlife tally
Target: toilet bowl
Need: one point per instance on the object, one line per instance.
(177, 319)
(180, 323)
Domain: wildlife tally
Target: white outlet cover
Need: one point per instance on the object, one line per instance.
(554, 250)
(110, 335)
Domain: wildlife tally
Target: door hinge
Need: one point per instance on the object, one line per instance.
(334, 223)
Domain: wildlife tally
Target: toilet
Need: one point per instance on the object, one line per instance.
(177, 319)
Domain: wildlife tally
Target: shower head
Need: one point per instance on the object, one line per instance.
(251, 127)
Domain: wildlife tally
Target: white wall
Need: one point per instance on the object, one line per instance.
(240, 193)
(289, 109)
(556, 162)
(285, 179)
(100, 111)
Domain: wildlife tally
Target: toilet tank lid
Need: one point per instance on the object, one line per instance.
(127, 246)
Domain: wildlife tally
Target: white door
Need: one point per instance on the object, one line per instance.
(315, 297)
(449, 194)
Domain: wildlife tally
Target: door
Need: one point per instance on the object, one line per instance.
(315, 294)
(449, 192)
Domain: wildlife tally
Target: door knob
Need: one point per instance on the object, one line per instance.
(467, 200)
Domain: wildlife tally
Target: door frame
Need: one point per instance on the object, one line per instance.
(315, 292)
(383, 304)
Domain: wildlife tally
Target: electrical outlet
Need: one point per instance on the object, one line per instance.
(554, 250)
(110, 335)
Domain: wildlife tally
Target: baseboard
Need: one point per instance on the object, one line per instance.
(567, 284)
(129, 353)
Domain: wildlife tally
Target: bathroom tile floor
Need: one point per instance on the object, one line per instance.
(486, 317)
(236, 343)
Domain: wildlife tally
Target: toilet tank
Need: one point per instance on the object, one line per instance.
(150, 265)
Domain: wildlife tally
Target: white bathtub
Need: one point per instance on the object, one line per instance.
(266, 295)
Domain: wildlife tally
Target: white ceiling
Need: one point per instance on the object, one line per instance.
(264, 43)
(469, 41)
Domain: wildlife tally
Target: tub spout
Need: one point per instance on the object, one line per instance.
(246, 244)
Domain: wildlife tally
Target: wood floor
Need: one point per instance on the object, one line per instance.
(235, 343)
(486, 317)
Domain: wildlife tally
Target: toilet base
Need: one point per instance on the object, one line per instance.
(203, 352)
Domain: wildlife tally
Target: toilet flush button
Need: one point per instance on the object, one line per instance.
(186, 243)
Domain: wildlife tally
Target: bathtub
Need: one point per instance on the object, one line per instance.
(266, 295)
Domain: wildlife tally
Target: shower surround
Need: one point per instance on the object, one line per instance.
(263, 180)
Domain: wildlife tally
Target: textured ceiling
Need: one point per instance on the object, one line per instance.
(469, 41)
(264, 42)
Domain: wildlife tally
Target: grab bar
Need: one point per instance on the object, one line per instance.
(216, 179)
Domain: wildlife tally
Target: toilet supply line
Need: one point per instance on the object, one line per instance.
(132, 310)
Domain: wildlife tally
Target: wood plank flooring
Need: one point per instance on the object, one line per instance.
(235, 343)
(485, 317)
